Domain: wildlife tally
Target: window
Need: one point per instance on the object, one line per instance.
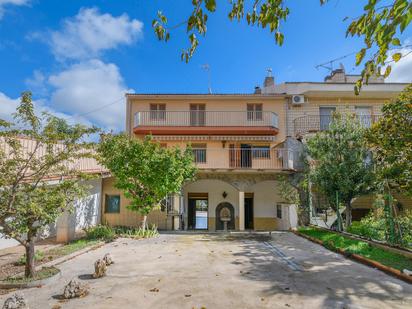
(254, 112)
(199, 153)
(279, 211)
(364, 114)
(157, 111)
(261, 152)
(112, 204)
(325, 115)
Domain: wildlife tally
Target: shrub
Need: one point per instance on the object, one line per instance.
(375, 227)
(101, 232)
(38, 256)
(131, 232)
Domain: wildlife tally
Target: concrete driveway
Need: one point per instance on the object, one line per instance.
(217, 271)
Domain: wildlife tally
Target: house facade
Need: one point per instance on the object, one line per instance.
(242, 145)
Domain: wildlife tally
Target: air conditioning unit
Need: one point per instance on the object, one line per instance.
(298, 99)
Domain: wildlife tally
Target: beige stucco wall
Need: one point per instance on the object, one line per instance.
(127, 217)
(213, 103)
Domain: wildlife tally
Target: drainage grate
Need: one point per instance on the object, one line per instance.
(288, 260)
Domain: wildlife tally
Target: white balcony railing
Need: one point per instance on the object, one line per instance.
(241, 158)
(206, 118)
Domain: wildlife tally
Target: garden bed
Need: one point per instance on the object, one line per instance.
(17, 266)
(43, 276)
(361, 251)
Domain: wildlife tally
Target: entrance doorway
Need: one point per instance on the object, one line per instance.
(197, 211)
(249, 211)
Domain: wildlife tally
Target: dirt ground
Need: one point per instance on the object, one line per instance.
(216, 271)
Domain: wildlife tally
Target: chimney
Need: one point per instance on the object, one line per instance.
(258, 90)
(269, 79)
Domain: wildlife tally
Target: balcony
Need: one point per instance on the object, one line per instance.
(315, 123)
(230, 158)
(206, 123)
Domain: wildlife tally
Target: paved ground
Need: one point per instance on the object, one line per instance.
(213, 271)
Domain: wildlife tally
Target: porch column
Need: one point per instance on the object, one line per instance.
(241, 211)
(176, 211)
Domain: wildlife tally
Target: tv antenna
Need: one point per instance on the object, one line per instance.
(328, 65)
(206, 67)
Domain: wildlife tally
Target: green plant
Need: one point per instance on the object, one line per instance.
(145, 171)
(338, 162)
(44, 273)
(38, 256)
(100, 232)
(34, 149)
(350, 246)
(131, 232)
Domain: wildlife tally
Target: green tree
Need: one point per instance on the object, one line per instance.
(145, 171)
(38, 175)
(379, 25)
(340, 162)
(391, 142)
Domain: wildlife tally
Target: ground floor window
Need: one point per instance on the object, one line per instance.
(112, 204)
(279, 211)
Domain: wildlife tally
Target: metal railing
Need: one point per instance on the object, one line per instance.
(315, 123)
(244, 158)
(206, 118)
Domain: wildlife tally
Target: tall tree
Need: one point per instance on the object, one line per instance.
(341, 161)
(38, 175)
(145, 171)
(379, 25)
(391, 142)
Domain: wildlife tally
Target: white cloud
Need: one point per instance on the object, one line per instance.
(402, 70)
(5, 3)
(7, 106)
(37, 83)
(90, 32)
(90, 88)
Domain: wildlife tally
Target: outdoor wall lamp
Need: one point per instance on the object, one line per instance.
(224, 194)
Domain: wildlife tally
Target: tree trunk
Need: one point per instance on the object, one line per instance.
(348, 215)
(30, 268)
(144, 222)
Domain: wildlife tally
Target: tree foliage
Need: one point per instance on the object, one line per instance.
(38, 175)
(340, 161)
(145, 171)
(379, 26)
(391, 142)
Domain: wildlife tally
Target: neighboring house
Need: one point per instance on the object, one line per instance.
(241, 144)
(86, 211)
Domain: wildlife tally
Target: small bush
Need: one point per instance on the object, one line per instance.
(131, 232)
(38, 256)
(100, 232)
(369, 227)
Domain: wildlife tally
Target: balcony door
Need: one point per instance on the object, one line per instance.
(240, 157)
(325, 115)
(197, 114)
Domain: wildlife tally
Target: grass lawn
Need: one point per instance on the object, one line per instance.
(336, 241)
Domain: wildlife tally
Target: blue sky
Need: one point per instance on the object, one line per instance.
(80, 56)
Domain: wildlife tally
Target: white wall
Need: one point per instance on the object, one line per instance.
(86, 213)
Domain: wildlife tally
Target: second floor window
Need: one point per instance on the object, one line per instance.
(199, 153)
(255, 112)
(157, 111)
